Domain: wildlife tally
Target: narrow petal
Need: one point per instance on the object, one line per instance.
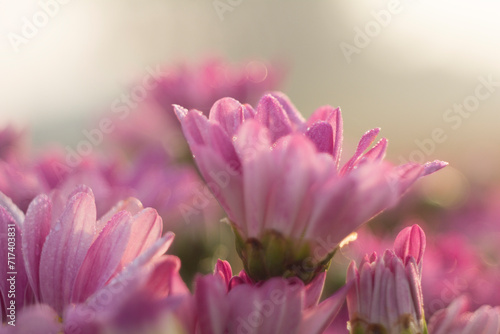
(321, 134)
(223, 269)
(12, 268)
(35, 230)
(165, 280)
(194, 125)
(65, 249)
(334, 117)
(145, 229)
(433, 166)
(316, 320)
(366, 140)
(12, 209)
(410, 242)
(272, 115)
(212, 305)
(131, 204)
(376, 153)
(103, 257)
(273, 307)
(293, 114)
(314, 290)
(229, 114)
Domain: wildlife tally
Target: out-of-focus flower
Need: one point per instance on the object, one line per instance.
(35, 319)
(13, 144)
(199, 86)
(278, 178)
(67, 255)
(453, 267)
(456, 320)
(227, 304)
(150, 120)
(20, 183)
(175, 190)
(388, 296)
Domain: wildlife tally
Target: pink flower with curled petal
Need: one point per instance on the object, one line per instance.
(456, 320)
(388, 295)
(279, 179)
(148, 296)
(227, 304)
(67, 254)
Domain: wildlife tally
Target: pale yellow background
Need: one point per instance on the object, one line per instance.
(426, 59)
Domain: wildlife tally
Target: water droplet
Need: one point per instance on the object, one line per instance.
(234, 138)
(57, 227)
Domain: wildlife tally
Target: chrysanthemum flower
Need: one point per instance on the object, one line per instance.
(227, 304)
(279, 179)
(456, 320)
(388, 295)
(64, 254)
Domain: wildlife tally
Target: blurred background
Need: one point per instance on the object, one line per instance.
(427, 72)
(399, 65)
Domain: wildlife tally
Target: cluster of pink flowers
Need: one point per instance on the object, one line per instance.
(91, 248)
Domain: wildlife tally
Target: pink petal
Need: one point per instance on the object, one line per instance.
(194, 124)
(65, 249)
(212, 305)
(321, 134)
(293, 114)
(35, 230)
(273, 307)
(223, 269)
(131, 204)
(288, 194)
(377, 152)
(334, 117)
(316, 320)
(12, 267)
(366, 140)
(229, 114)
(220, 143)
(12, 209)
(271, 114)
(253, 147)
(146, 229)
(165, 280)
(103, 257)
(434, 166)
(314, 290)
(410, 242)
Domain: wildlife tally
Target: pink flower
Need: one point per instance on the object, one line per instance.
(456, 320)
(200, 85)
(388, 296)
(227, 304)
(12, 144)
(67, 255)
(148, 296)
(279, 180)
